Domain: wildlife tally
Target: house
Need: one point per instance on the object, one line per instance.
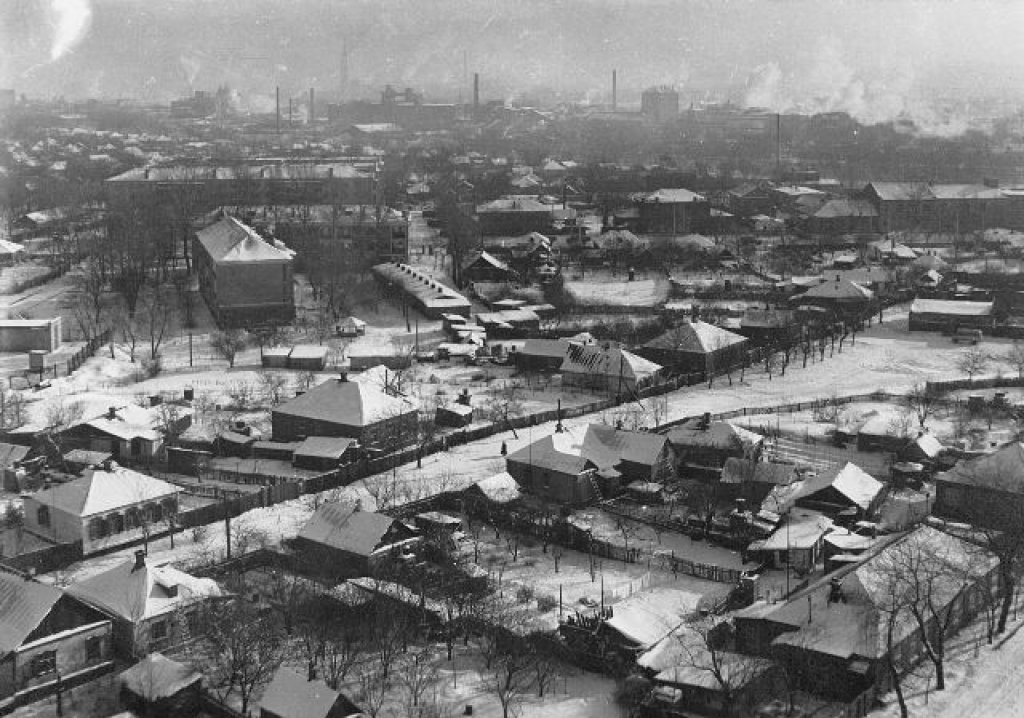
(570, 466)
(290, 695)
(351, 409)
(696, 347)
(846, 488)
(751, 198)
(768, 325)
(672, 211)
(703, 443)
(341, 540)
(152, 607)
(514, 215)
(947, 315)
(987, 491)
(107, 506)
(753, 481)
(607, 368)
(45, 633)
(324, 453)
(833, 636)
(842, 296)
(128, 433)
(454, 414)
(633, 626)
(485, 267)
(244, 279)
(797, 544)
(541, 354)
(158, 687)
(843, 216)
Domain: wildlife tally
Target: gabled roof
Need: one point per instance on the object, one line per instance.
(11, 453)
(851, 481)
(346, 528)
(350, 403)
(500, 488)
(23, 606)
(648, 616)
(842, 290)
(228, 240)
(550, 348)
(137, 594)
(608, 360)
(638, 447)
(486, 259)
(602, 447)
(156, 677)
(696, 336)
(290, 695)
(545, 453)
(99, 491)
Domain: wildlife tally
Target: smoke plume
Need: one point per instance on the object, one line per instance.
(71, 19)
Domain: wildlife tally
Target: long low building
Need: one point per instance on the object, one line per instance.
(428, 295)
(934, 315)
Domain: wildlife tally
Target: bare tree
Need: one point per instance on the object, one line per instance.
(1014, 357)
(509, 675)
(972, 361)
(417, 675)
(702, 650)
(156, 316)
(273, 385)
(227, 343)
(245, 649)
(923, 399)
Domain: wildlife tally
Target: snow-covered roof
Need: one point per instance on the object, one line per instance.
(842, 290)
(851, 481)
(347, 528)
(649, 616)
(803, 529)
(138, 593)
(99, 491)
(350, 403)
(500, 488)
(696, 336)
(607, 360)
(156, 677)
(229, 240)
(719, 435)
(952, 307)
(290, 695)
(23, 606)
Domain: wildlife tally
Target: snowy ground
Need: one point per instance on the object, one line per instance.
(605, 290)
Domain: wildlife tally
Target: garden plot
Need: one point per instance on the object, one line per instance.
(520, 565)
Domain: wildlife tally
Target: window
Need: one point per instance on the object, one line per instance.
(44, 663)
(158, 630)
(43, 516)
(93, 648)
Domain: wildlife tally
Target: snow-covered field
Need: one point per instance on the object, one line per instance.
(607, 291)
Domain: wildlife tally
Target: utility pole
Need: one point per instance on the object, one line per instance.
(227, 525)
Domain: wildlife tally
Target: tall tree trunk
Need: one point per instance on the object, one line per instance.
(1009, 586)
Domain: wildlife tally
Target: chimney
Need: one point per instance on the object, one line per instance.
(145, 173)
(705, 422)
(476, 91)
(342, 377)
(111, 412)
(615, 90)
(140, 561)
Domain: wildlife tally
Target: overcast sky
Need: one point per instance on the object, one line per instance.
(875, 58)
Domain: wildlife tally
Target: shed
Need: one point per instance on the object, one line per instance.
(276, 357)
(308, 357)
(454, 415)
(323, 453)
(845, 488)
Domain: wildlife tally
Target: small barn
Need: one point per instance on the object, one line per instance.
(342, 540)
(833, 492)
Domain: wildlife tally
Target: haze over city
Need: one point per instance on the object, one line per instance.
(944, 65)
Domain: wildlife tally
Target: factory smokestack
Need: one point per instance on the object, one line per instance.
(277, 105)
(312, 107)
(615, 89)
(476, 91)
